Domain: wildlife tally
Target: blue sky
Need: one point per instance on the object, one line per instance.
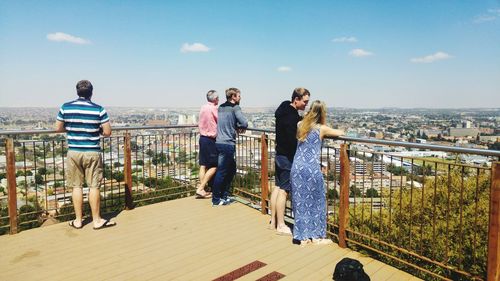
(358, 54)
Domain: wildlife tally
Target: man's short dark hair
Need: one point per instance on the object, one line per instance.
(84, 89)
(299, 93)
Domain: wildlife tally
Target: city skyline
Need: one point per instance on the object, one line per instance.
(422, 54)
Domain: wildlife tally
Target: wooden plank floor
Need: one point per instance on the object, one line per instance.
(184, 239)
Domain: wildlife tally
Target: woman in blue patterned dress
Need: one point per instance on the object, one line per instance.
(308, 190)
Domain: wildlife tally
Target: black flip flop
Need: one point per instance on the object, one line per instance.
(106, 224)
(72, 224)
(199, 196)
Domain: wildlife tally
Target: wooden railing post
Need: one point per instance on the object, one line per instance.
(127, 171)
(494, 227)
(11, 184)
(345, 175)
(264, 174)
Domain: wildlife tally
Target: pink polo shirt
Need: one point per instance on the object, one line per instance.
(208, 120)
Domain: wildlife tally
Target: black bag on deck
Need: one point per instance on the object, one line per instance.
(349, 270)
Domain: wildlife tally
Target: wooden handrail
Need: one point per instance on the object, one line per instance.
(127, 169)
(344, 195)
(264, 174)
(494, 225)
(11, 184)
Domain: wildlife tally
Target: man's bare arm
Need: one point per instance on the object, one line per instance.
(60, 127)
(106, 129)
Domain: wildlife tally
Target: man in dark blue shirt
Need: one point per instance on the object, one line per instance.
(287, 117)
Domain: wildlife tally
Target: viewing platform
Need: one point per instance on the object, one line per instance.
(182, 239)
(434, 218)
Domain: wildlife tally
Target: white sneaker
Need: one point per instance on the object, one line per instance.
(221, 203)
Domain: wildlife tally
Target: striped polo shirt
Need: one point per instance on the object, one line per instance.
(82, 121)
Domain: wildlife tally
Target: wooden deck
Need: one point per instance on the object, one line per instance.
(184, 239)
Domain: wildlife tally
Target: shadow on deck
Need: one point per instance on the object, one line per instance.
(184, 239)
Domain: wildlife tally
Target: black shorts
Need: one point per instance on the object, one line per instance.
(208, 152)
(283, 167)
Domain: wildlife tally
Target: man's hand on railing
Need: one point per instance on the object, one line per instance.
(241, 130)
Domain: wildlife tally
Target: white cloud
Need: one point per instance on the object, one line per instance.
(284, 69)
(194, 48)
(432, 58)
(360, 53)
(494, 11)
(345, 40)
(484, 18)
(491, 15)
(63, 37)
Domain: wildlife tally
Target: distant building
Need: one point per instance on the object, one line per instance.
(185, 119)
(463, 132)
(430, 133)
(157, 123)
(377, 135)
(467, 124)
(488, 131)
(378, 167)
(489, 138)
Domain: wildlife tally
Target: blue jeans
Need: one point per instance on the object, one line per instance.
(226, 169)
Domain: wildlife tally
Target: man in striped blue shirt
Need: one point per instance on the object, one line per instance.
(84, 122)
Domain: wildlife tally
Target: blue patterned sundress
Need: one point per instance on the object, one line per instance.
(308, 191)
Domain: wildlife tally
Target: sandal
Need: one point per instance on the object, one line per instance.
(285, 231)
(203, 196)
(106, 224)
(72, 224)
(304, 243)
(322, 241)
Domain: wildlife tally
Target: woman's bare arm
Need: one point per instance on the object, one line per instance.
(326, 131)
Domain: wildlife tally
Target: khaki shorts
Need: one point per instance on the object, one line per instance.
(84, 167)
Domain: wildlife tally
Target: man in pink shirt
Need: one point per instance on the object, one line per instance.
(208, 152)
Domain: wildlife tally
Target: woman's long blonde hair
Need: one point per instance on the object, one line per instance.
(315, 116)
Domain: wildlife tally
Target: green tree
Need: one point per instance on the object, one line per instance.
(138, 162)
(332, 194)
(446, 221)
(42, 171)
(4, 220)
(397, 171)
(494, 146)
(38, 179)
(181, 157)
(29, 216)
(159, 159)
(354, 191)
(107, 172)
(249, 180)
(118, 176)
(332, 176)
(371, 192)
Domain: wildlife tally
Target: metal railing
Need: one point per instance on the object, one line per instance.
(438, 217)
(154, 164)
